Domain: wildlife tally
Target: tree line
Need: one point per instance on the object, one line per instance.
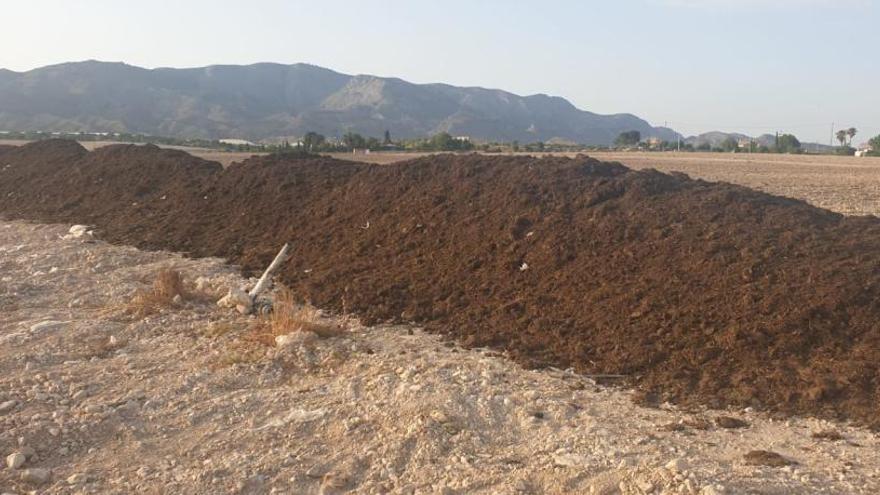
(784, 143)
(313, 142)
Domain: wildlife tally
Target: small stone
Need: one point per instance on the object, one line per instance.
(646, 486)
(7, 406)
(15, 460)
(77, 231)
(569, 460)
(296, 338)
(28, 451)
(687, 487)
(238, 299)
(36, 476)
(47, 325)
(677, 465)
(77, 479)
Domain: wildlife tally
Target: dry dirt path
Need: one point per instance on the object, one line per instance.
(98, 402)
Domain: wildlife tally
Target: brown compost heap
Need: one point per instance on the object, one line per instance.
(697, 292)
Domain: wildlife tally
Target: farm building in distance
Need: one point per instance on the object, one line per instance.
(237, 142)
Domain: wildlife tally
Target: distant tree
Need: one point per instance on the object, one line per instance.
(515, 146)
(704, 147)
(730, 144)
(372, 144)
(387, 139)
(874, 143)
(535, 147)
(445, 142)
(441, 142)
(354, 141)
(841, 136)
(851, 132)
(788, 144)
(629, 138)
(312, 141)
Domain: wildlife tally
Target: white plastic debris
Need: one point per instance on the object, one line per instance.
(237, 298)
(78, 231)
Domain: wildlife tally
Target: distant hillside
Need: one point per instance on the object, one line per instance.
(265, 101)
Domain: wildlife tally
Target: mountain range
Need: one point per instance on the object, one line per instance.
(272, 101)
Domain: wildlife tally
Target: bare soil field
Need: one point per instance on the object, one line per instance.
(844, 184)
(94, 400)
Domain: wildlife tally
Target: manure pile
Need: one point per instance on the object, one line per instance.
(697, 292)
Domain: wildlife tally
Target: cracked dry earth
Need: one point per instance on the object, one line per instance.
(94, 401)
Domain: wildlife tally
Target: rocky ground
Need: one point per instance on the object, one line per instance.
(94, 400)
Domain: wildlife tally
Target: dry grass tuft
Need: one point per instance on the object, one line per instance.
(218, 329)
(166, 287)
(288, 317)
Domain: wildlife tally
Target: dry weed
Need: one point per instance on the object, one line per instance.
(288, 317)
(166, 287)
(218, 329)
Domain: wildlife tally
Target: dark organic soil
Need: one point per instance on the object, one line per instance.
(830, 435)
(730, 423)
(699, 293)
(766, 458)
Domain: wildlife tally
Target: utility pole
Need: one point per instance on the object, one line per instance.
(831, 141)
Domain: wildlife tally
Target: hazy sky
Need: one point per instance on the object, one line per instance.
(736, 65)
